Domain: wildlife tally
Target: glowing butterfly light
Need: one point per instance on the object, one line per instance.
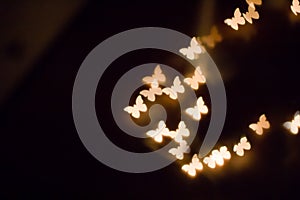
(193, 166)
(213, 38)
(157, 77)
(197, 110)
(295, 7)
(217, 157)
(242, 146)
(261, 124)
(154, 90)
(161, 131)
(137, 108)
(181, 132)
(251, 14)
(236, 20)
(210, 162)
(196, 79)
(192, 52)
(174, 89)
(180, 150)
(252, 2)
(294, 125)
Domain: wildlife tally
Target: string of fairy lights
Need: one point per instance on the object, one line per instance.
(217, 157)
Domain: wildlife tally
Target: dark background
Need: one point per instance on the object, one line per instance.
(42, 156)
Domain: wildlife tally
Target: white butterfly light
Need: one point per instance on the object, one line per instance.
(181, 132)
(193, 51)
(197, 110)
(217, 157)
(154, 90)
(137, 108)
(180, 150)
(241, 146)
(193, 166)
(251, 14)
(294, 125)
(157, 77)
(295, 7)
(161, 131)
(174, 89)
(261, 124)
(236, 20)
(196, 79)
(210, 162)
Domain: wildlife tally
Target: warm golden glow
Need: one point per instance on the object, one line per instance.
(174, 89)
(180, 150)
(191, 168)
(213, 38)
(193, 50)
(252, 2)
(154, 90)
(197, 110)
(137, 108)
(161, 131)
(294, 125)
(217, 157)
(260, 125)
(210, 162)
(242, 146)
(236, 20)
(251, 14)
(157, 77)
(295, 7)
(197, 78)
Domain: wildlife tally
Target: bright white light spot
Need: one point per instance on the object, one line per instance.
(294, 125)
(157, 77)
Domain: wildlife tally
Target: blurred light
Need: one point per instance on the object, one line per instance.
(241, 146)
(260, 125)
(294, 125)
(174, 89)
(197, 110)
(137, 108)
(193, 50)
(193, 166)
(180, 150)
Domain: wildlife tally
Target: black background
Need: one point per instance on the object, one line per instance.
(43, 157)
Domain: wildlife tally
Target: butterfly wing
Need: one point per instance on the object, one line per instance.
(194, 113)
(199, 76)
(158, 75)
(177, 86)
(238, 17)
(133, 111)
(201, 106)
(195, 46)
(192, 82)
(292, 126)
(140, 104)
(170, 92)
